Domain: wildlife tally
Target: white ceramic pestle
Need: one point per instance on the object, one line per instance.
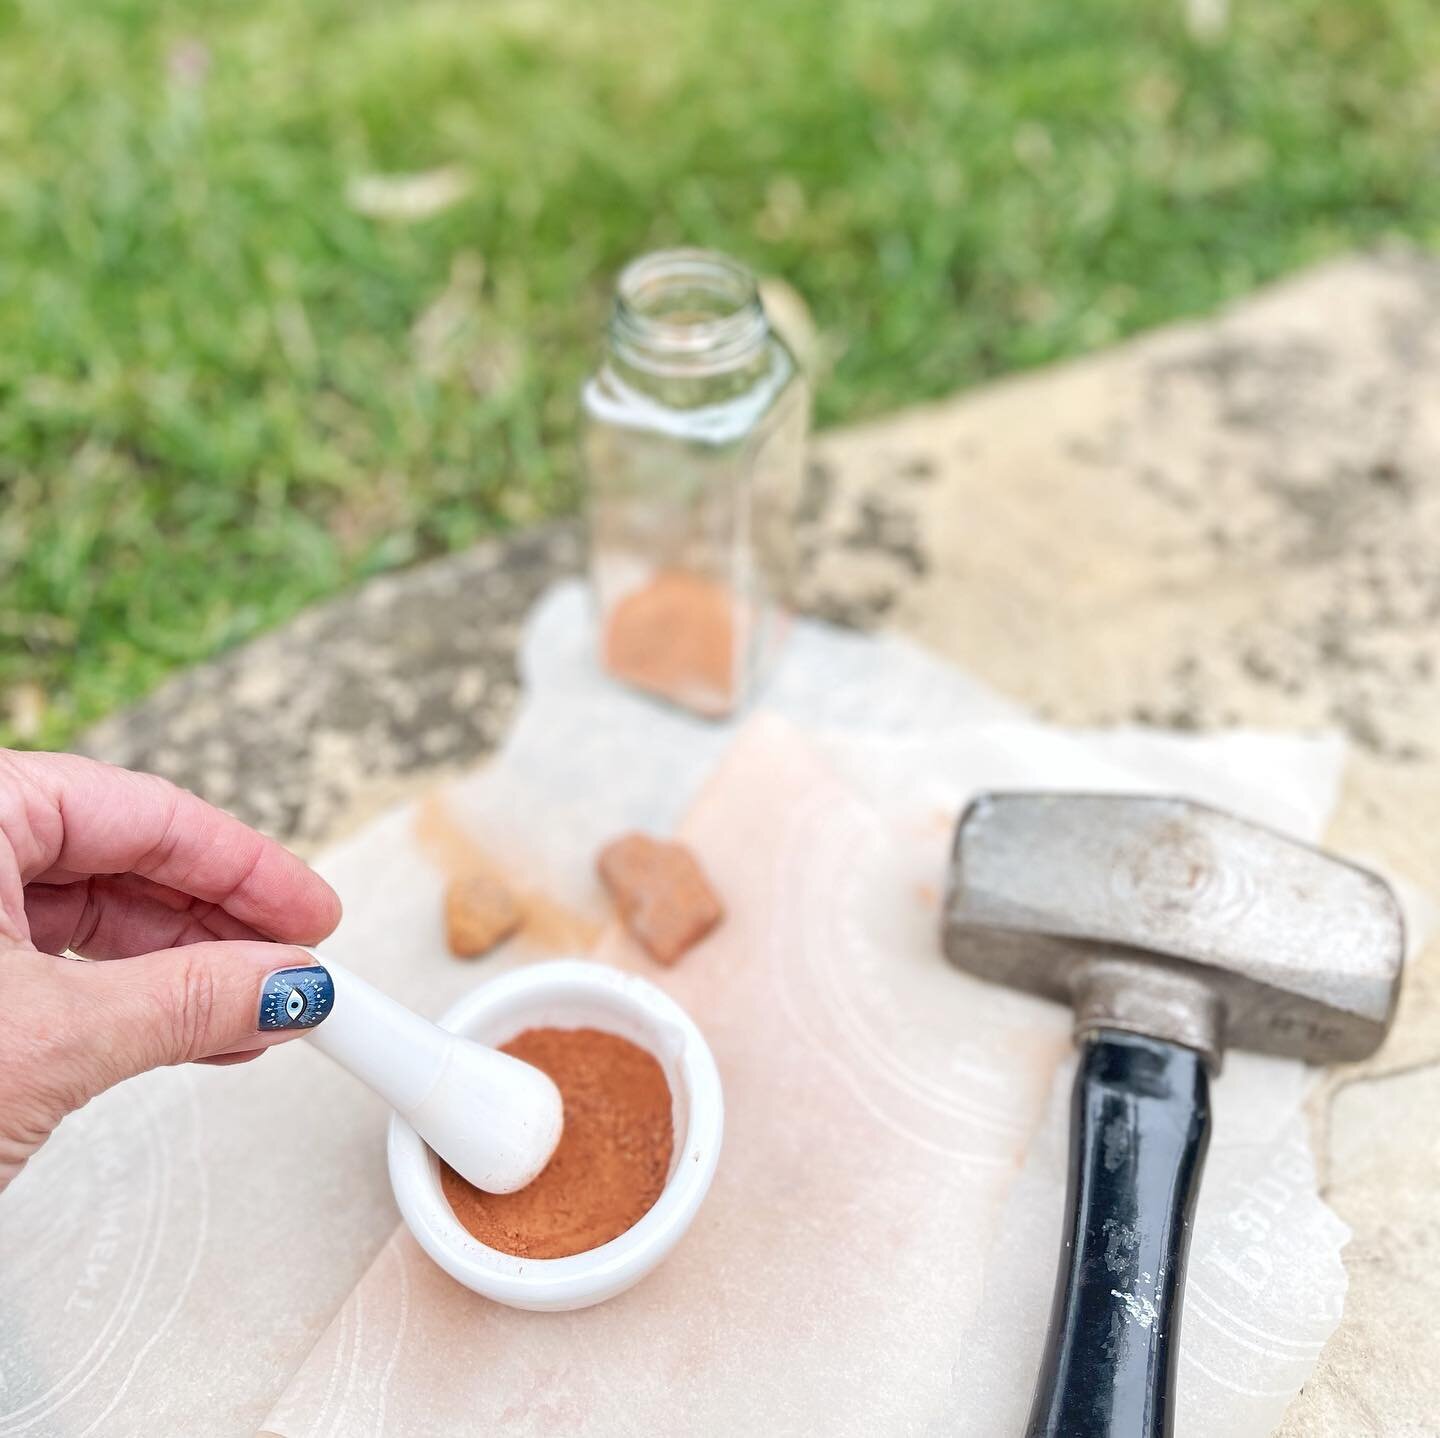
(494, 1119)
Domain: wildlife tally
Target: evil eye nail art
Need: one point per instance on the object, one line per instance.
(296, 998)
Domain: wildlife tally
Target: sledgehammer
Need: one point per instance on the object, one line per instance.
(1173, 929)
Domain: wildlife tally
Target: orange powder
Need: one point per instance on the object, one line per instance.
(613, 1158)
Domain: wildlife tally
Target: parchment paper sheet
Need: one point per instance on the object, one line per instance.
(176, 1251)
(879, 1104)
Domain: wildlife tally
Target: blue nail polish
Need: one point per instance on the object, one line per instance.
(296, 998)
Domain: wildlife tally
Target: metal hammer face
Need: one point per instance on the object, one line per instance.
(1168, 918)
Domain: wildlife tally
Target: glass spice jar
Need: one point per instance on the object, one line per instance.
(693, 439)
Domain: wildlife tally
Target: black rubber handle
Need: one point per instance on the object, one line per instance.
(1140, 1125)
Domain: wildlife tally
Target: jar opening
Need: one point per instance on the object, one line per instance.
(687, 311)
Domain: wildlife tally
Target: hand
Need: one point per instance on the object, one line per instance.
(181, 904)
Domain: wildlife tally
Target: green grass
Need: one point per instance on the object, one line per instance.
(212, 410)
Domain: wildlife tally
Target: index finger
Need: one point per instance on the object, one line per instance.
(79, 817)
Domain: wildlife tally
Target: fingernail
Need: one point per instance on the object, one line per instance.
(295, 998)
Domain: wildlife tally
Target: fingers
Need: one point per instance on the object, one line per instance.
(255, 1044)
(116, 916)
(75, 817)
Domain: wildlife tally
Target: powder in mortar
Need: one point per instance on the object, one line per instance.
(613, 1157)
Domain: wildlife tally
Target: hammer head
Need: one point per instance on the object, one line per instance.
(1296, 952)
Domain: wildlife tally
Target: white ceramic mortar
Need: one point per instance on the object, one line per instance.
(572, 993)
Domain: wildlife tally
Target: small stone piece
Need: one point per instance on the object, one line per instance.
(676, 637)
(480, 912)
(662, 894)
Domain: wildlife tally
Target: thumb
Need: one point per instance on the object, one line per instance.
(177, 1005)
(70, 1029)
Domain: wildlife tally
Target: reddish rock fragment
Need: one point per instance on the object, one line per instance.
(676, 637)
(661, 892)
(480, 912)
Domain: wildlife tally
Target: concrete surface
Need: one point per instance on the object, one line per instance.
(1235, 521)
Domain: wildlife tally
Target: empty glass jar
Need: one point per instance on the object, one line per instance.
(693, 447)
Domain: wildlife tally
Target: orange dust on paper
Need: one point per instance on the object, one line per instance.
(544, 922)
